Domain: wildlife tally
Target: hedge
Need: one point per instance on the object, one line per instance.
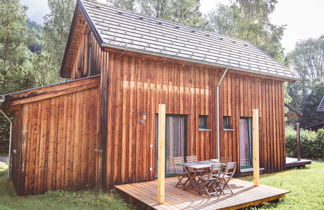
(312, 143)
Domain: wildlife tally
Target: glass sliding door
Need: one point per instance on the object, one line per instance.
(246, 142)
(175, 138)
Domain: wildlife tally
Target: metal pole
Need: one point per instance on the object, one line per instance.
(10, 137)
(218, 114)
(298, 140)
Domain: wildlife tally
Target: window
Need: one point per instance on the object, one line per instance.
(227, 122)
(89, 54)
(203, 122)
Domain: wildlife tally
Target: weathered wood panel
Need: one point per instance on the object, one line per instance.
(137, 85)
(80, 64)
(55, 140)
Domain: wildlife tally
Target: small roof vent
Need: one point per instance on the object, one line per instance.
(177, 27)
(234, 42)
(208, 35)
(97, 7)
(160, 23)
(246, 44)
(120, 13)
(193, 31)
(221, 38)
(141, 18)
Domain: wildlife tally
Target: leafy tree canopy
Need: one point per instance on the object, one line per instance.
(308, 60)
(15, 67)
(179, 11)
(249, 20)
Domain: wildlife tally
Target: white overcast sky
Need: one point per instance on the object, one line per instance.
(303, 18)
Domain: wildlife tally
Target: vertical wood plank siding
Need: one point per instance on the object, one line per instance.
(55, 139)
(80, 65)
(138, 85)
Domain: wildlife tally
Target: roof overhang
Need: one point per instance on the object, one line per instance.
(175, 58)
(81, 15)
(36, 94)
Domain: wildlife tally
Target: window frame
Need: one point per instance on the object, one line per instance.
(205, 122)
(227, 123)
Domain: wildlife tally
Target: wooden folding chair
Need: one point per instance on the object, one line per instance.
(181, 173)
(191, 158)
(210, 183)
(228, 174)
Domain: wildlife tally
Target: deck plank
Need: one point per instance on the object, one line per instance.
(176, 198)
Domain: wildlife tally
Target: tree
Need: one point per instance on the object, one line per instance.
(308, 60)
(249, 20)
(35, 36)
(56, 31)
(179, 11)
(187, 12)
(15, 67)
(125, 4)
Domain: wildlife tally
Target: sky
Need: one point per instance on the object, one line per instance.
(303, 18)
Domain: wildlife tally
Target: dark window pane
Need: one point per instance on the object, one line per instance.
(227, 124)
(202, 121)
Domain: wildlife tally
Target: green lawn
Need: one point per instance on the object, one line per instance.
(306, 186)
(61, 200)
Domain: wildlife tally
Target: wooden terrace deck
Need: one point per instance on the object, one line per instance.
(295, 163)
(145, 194)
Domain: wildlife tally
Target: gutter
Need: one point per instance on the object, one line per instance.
(218, 112)
(10, 138)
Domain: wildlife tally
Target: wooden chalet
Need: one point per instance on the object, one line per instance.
(100, 128)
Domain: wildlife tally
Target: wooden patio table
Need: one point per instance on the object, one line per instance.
(194, 168)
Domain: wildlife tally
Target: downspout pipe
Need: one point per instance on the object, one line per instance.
(10, 138)
(218, 112)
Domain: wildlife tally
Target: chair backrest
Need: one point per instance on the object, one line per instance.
(216, 169)
(191, 158)
(225, 159)
(177, 161)
(230, 168)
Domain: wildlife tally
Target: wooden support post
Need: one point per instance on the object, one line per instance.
(256, 170)
(161, 154)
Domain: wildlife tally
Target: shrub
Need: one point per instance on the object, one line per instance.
(312, 143)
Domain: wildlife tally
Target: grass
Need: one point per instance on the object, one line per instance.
(306, 186)
(61, 200)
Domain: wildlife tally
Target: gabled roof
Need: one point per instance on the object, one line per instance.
(125, 30)
(320, 107)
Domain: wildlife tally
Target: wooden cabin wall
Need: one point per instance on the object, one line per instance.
(138, 85)
(55, 140)
(80, 66)
(239, 95)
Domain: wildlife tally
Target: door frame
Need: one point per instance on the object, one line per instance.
(156, 139)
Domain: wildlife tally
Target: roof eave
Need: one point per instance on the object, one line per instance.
(286, 78)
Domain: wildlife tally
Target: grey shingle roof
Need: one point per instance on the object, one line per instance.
(126, 30)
